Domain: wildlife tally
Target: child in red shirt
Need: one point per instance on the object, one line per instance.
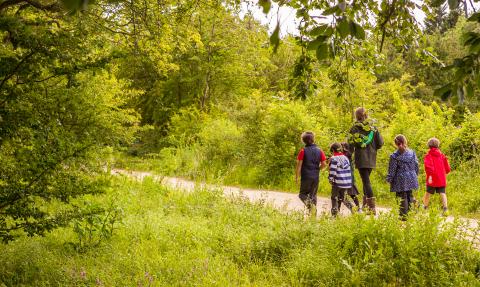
(310, 161)
(436, 168)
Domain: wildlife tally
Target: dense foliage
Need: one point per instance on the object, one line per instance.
(61, 106)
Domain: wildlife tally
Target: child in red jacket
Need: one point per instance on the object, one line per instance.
(436, 168)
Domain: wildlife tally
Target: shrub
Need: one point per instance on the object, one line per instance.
(466, 144)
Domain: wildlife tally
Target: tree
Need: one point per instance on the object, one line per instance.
(196, 54)
(438, 20)
(59, 108)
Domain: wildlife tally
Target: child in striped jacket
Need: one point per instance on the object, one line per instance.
(340, 177)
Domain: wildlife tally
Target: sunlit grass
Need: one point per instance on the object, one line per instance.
(171, 238)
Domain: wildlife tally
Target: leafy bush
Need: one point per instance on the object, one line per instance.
(219, 138)
(466, 145)
(50, 146)
(281, 130)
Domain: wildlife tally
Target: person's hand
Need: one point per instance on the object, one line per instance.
(430, 180)
(297, 182)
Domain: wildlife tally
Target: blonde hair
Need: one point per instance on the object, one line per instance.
(361, 114)
(433, 142)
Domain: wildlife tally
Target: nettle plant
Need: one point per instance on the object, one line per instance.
(96, 226)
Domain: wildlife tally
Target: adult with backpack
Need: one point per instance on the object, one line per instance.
(365, 140)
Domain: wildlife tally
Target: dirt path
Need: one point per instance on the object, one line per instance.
(281, 200)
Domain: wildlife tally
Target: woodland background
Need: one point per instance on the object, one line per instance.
(202, 90)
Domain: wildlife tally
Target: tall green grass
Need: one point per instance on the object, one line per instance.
(172, 238)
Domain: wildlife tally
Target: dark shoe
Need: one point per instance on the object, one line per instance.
(371, 206)
(312, 210)
(334, 212)
(445, 212)
(349, 205)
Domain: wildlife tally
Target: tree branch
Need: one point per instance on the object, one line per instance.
(17, 67)
(384, 23)
(8, 3)
(18, 196)
(54, 7)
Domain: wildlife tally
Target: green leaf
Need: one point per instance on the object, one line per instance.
(475, 46)
(469, 38)
(275, 38)
(332, 10)
(470, 90)
(357, 31)
(477, 80)
(453, 4)
(437, 3)
(323, 29)
(475, 17)
(313, 45)
(343, 28)
(266, 5)
(302, 13)
(75, 5)
(322, 51)
(444, 92)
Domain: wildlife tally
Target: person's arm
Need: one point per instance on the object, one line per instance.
(323, 160)
(378, 140)
(323, 165)
(332, 172)
(351, 141)
(447, 165)
(428, 168)
(298, 170)
(417, 170)
(392, 169)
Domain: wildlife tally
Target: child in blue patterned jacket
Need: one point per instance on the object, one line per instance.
(403, 174)
(340, 177)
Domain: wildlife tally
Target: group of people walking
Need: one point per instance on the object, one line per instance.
(361, 148)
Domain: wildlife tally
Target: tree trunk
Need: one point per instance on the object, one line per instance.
(206, 91)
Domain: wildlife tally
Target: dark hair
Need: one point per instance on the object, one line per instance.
(346, 149)
(336, 147)
(308, 137)
(361, 114)
(400, 139)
